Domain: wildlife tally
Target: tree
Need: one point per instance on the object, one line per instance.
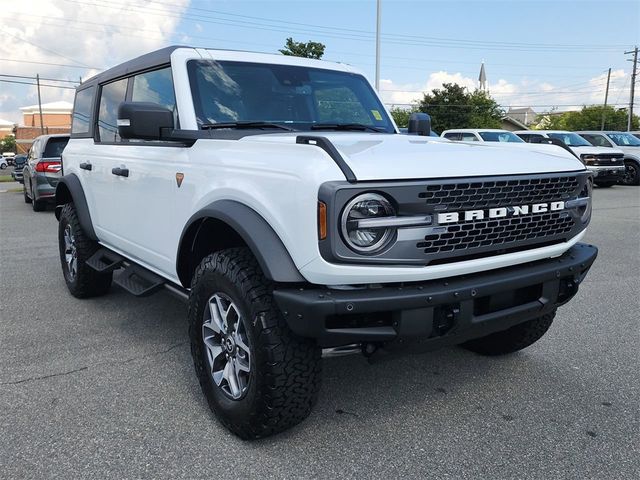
(589, 118)
(301, 49)
(8, 144)
(401, 115)
(454, 107)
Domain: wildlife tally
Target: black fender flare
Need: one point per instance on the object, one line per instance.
(255, 231)
(69, 189)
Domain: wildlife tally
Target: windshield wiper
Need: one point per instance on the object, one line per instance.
(345, 126)
(247, 125)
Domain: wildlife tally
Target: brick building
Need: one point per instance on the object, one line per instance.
(56, 118)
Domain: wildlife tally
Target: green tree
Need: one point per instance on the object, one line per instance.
(452, 106)
(589, 118)
(8, 144)
(401, 115)
(302, 49)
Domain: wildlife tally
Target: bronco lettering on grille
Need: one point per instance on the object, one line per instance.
(501, 212)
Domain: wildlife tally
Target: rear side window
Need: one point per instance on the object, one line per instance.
(55, 146)
(597, 140)
(452, 136)
(82, 111)
(111, 96)
(527, 137)
(156, 87)
(469, 137)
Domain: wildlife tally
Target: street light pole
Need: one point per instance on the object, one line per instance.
(378, 45)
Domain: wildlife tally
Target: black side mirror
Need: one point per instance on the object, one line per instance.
(144, 120)
(419, 124)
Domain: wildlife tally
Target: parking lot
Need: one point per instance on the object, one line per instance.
(105, 388)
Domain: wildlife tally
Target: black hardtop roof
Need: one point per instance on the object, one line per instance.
(143, 62)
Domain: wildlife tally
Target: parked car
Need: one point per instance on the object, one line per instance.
(19, 162)
(8, 157)
(42, 170)
(635, 134)
(294, 226)
(629, 144)
(480, 135)
(3, 163)
(606, 164)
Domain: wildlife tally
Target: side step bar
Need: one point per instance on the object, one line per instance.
(133, 278)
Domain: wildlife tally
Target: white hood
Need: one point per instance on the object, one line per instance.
(374, 156)
(591, 150)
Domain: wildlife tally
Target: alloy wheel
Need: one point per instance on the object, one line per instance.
(70, 252)
(227, 346)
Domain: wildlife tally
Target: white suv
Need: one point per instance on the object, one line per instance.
(626, 142)
(606, 164)
(277, 197)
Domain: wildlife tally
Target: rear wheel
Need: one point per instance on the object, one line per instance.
(37, 205)
(631, 173)
(259, 378)
(27, 198)
(513, 339)
(75, 248)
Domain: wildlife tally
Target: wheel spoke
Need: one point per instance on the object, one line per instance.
(242, 364)
(215, 321)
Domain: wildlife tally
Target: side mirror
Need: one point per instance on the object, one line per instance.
(144, 120)
(419, 124)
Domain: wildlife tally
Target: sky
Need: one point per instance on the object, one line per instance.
(543, 54)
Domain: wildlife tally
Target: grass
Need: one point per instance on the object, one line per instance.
(5, 178)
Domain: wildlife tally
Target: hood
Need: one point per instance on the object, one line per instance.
(629, 151)
(589, 150)
(374, 156)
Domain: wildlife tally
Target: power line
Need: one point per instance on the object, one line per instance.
(34, 83)
(48, 63)
(41, 78)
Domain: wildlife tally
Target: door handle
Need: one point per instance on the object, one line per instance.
(121, 172)
(86, 166)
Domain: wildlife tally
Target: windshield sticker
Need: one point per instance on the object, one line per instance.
(376, 115)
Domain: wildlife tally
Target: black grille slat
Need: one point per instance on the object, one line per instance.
(490, 194)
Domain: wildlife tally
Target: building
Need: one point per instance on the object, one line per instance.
(512, 124)
(526, 115)
(6, 128)
(56, 118)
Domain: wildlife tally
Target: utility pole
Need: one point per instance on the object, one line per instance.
(633, 86)
(40, 104)
(606, 97)
(379, 7)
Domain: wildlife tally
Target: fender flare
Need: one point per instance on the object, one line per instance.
(69, 189)
(255, 231)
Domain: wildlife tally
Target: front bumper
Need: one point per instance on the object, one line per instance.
(442, 312)
(607, 172)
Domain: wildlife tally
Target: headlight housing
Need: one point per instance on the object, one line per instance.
(587, 192)
(588, 158)
(362, 236)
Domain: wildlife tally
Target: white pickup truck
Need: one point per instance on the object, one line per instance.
(277, 197)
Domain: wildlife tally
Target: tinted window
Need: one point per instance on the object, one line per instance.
(112, 95)
(469, 137)
(82, 110)
(55, 146)
(527, 137)
(597, 140)
(570, 139)
(500, 137)
(624, 139)
(156, 87)
(296, 96)
(452, 136)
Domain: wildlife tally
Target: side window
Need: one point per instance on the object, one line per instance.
(33, 151)
(82, 111)
(469, 137)
(597, 140)
(156, 87)
(452, 136)
(111, 96)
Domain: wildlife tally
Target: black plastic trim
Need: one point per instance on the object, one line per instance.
(414, 307)
(264, 243)
(72, 183)
(325, 144)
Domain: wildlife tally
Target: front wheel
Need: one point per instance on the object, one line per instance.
(513, 339)
(259, 378)
(631, 173)
(75, 249)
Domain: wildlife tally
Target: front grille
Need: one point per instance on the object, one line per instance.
(606, 159)
(499, 193)
(500, 233)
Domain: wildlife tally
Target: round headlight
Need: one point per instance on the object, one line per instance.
(587, 192)
(362, 235)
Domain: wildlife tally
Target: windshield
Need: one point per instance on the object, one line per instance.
(500, 137)
(55, 146)
(298, 97)
(570, 139)
(624, 139)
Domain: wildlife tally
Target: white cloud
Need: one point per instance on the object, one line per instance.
(80, 33)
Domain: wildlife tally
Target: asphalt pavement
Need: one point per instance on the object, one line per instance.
(105, 388)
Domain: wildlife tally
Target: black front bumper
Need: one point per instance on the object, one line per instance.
(442, 312)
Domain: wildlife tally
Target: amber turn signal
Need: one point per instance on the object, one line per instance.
(322, 220)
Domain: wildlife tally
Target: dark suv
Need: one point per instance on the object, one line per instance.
(42, 170)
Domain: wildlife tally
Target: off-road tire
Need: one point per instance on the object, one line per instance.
(605, 184)
(86, 282)
(37, 205)
(285, 372)
(632, 173)
(513, 339)
(27, 198)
